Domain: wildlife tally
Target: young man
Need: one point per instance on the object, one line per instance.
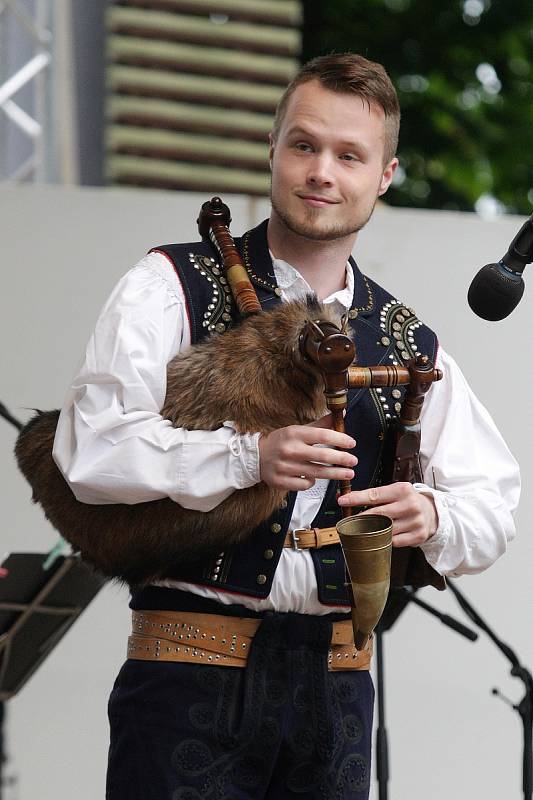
(287, 722)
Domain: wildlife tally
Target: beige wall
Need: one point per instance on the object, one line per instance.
(62, 251)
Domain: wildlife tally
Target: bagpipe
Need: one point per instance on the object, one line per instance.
(304, 350)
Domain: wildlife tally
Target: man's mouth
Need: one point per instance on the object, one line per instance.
(317, 201)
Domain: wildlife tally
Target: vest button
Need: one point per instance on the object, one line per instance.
(261, 579)
(268, 554)
(283, 504)
(275, 527)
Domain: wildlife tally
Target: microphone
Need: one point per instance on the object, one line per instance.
(498, 288)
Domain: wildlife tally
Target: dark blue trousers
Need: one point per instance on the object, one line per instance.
(283, 727)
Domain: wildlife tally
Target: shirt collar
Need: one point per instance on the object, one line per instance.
(294, 285)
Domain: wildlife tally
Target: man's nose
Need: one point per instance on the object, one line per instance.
(320, 171)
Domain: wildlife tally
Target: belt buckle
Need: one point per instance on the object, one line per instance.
(295, 538)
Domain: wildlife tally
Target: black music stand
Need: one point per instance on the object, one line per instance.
(37, 607)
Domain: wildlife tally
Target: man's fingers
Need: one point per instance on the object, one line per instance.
(311, 470)
(405, 529)
(318, 433)
(333, 473)
(291, 483)
(302, 453)
(392, 510)
(414, 516)
(298, 483)
(288, 453)
(405, 540)
(408, 525)
(337, 458)
(377, 495)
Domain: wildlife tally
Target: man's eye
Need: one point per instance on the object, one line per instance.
(349, 157)
(303, 146)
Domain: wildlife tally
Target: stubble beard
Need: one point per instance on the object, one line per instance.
(311, 227)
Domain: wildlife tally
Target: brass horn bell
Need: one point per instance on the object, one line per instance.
(367, 544)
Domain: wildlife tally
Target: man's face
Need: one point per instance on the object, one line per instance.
(327, 163)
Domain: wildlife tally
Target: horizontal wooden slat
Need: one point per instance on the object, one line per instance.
(199, 88)
(206, 60)
(202, 30)
(187, 147)
(280, 12)
(188, 117)
(167, 174)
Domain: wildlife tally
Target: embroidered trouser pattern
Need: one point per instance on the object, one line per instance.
(283, 727)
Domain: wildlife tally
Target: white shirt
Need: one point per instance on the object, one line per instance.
(113, 446)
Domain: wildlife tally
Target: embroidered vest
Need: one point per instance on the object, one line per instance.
(386, 332)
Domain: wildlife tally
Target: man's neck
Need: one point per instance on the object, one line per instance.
(321, 263)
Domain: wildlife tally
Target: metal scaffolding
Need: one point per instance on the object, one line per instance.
(36, 98)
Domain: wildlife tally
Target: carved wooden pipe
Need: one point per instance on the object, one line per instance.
(333, 352)
(213, 224)
(370, 377)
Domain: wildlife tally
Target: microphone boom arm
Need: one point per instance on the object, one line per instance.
(520, 250)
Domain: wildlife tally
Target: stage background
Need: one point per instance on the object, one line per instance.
(62, 251)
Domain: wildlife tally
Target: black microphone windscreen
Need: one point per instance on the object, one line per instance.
(495, 292)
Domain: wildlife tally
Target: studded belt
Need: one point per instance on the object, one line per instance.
(307, 538)
(222, 641)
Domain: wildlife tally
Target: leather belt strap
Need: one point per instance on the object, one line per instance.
(307, 538)
(220, 640)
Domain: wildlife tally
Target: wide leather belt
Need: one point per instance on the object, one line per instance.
(307, 538)
(223, 641)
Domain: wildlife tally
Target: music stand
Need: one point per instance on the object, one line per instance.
(37, 607)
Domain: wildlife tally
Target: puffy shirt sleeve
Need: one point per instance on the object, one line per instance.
(112, 445)
(471, 474)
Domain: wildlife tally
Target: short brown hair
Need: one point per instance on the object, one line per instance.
(350, 73)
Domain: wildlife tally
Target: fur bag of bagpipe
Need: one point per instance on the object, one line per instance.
(227, 376)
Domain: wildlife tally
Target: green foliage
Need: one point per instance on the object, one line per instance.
(464, 74)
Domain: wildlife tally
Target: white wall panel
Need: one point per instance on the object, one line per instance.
(62, 251)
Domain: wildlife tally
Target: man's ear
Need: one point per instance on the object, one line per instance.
(271, 146)
(388, 174)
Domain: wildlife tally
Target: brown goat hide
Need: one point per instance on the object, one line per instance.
(252, 374)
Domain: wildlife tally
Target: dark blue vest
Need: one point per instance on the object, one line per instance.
(386, 332)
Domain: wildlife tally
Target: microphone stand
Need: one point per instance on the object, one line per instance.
(382, 744)
(5, 414)
(398, 599)
(525, 707)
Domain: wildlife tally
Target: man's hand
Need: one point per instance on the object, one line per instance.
(414, 515)
(288, 459)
